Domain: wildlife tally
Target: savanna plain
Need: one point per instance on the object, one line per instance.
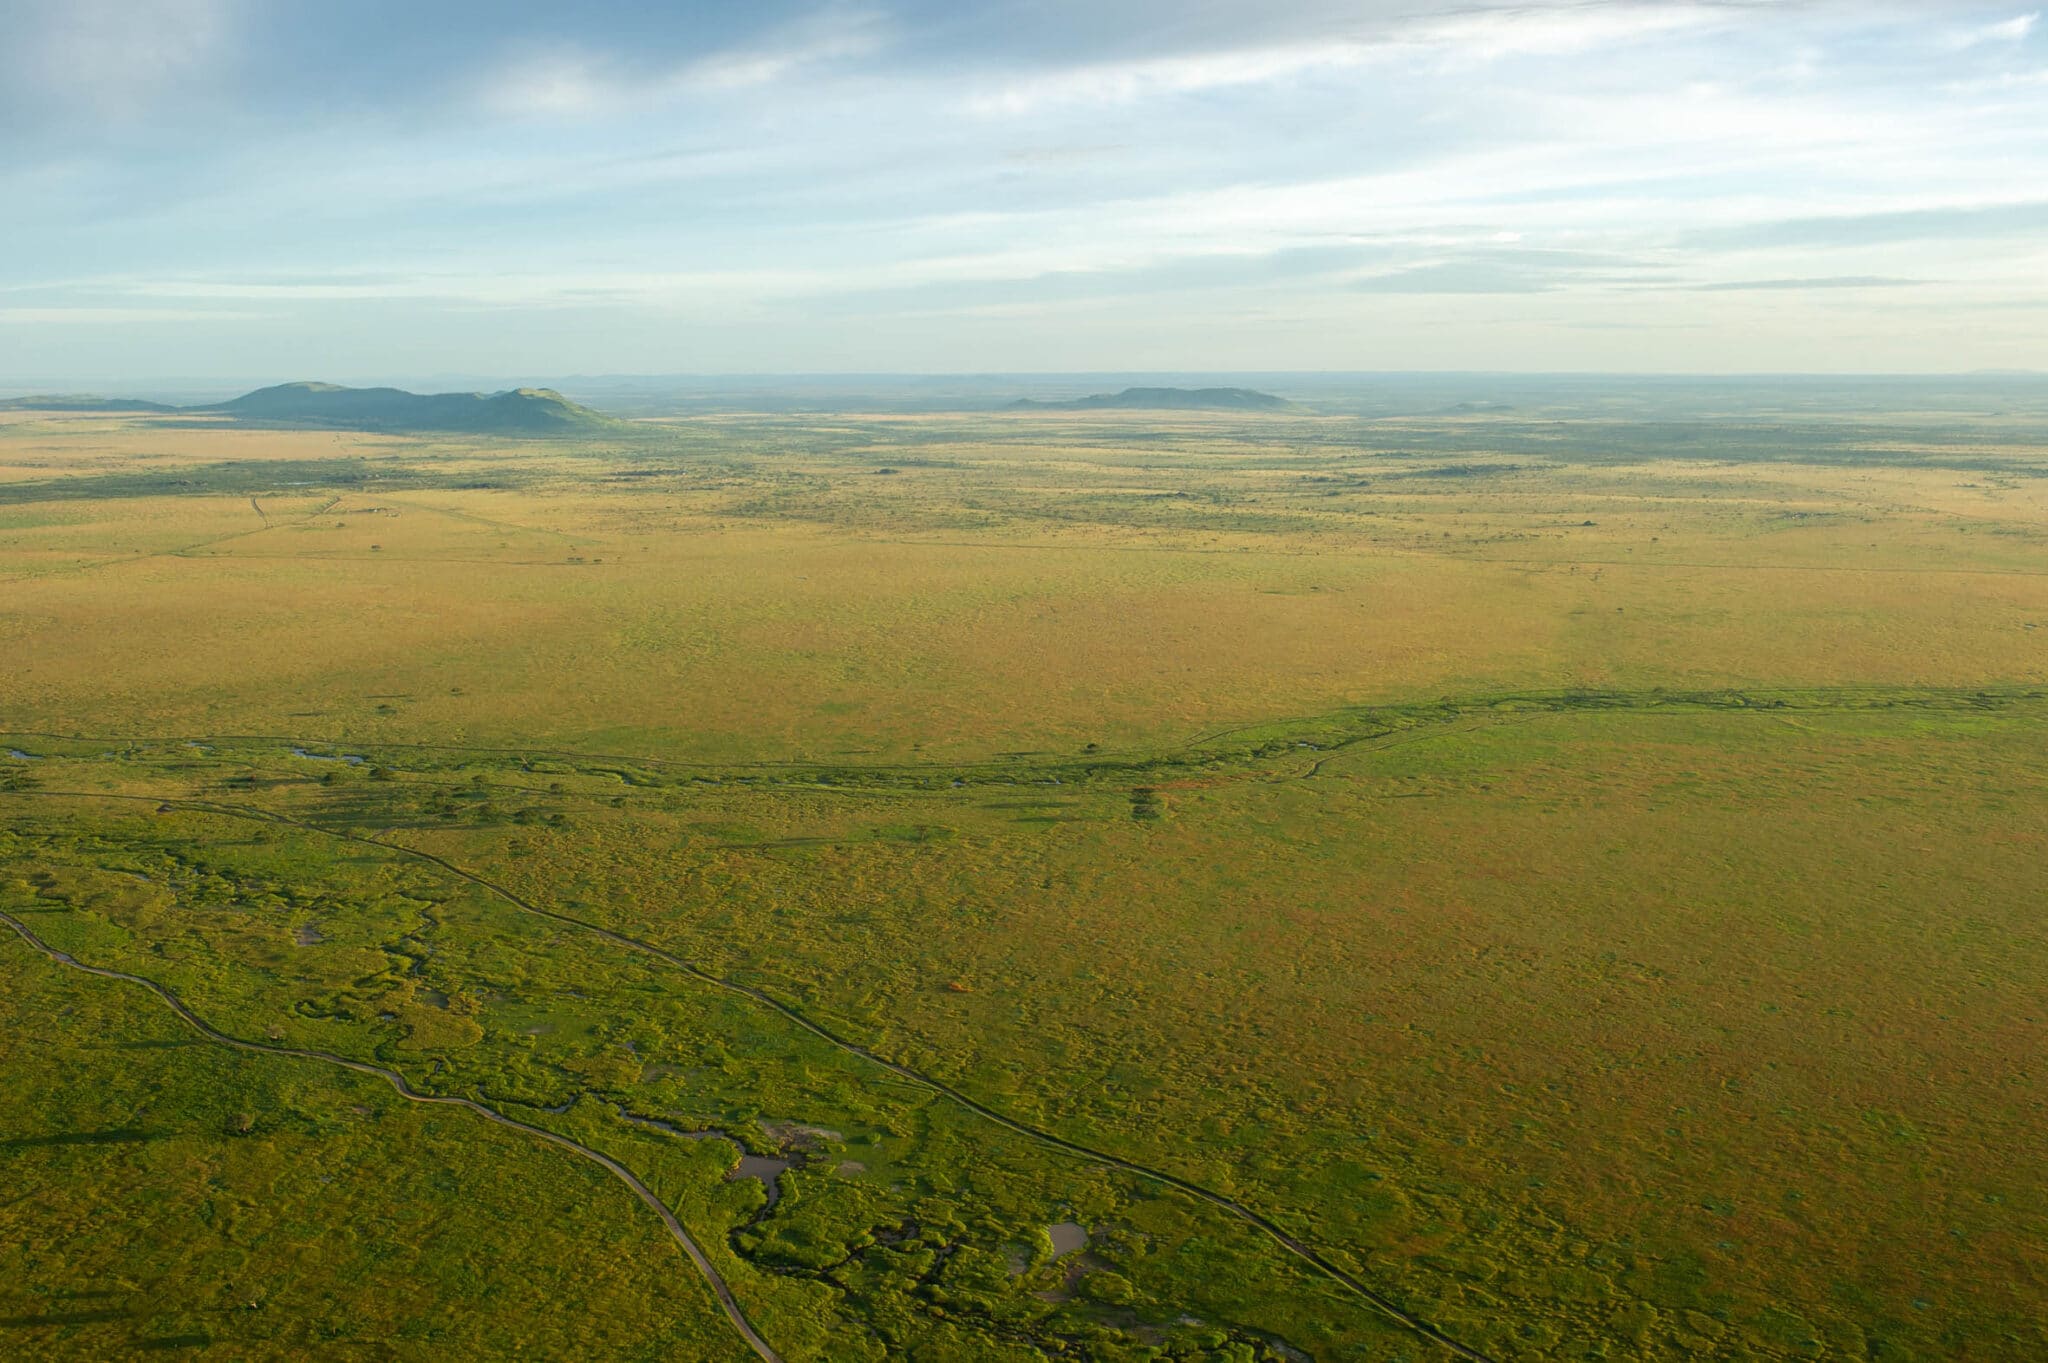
(1023, 885)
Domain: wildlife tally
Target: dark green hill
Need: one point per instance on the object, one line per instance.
(517, 411)
(1167, 399)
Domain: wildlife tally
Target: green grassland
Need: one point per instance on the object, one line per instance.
(1404, 889)
(168, 1198)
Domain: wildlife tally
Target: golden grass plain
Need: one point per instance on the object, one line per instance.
(787, 606)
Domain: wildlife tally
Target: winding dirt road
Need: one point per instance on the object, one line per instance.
(1300, 1249)
(404, 1090)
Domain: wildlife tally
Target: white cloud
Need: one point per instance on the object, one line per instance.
(835, 37)
(559, 84)
(1128, 82)
(1483, 36)
(1564, 32)
(2014, 30)
(579, 83)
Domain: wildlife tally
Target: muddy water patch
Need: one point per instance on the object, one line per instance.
(1067, 1238)
(350, 758)
(768, 1168)
(307, 936)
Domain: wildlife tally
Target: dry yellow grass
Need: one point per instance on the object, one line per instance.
(996, 597)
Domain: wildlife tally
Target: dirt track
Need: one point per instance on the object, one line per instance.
(404, 1090)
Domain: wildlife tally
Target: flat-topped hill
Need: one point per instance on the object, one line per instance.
(1166, 399)
(516, 411)
(79, 402)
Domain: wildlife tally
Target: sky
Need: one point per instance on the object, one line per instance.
(271, 189)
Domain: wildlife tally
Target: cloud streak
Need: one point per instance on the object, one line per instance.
(1802, 285)
(2013, 31)
(1467, 39)
(583, 83)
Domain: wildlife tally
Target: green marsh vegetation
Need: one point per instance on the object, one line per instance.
(1582, 888)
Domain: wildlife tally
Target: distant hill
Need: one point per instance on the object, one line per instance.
(1165, 399)
(80, 402)
(517, 411)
